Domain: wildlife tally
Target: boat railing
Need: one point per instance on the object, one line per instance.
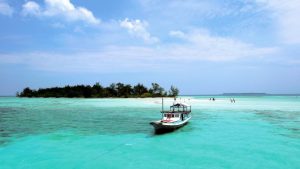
(178, 111)
(177, 107)
(180, 108)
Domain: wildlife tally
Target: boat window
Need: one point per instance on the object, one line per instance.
(172, 115)
(177, 115)
(165, 115)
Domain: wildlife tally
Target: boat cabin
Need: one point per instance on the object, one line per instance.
(177, 112)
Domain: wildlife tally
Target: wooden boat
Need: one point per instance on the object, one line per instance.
(178, 116)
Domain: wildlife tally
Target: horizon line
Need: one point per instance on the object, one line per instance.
(223, 94)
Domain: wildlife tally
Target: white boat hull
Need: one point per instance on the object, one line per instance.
(169, 126)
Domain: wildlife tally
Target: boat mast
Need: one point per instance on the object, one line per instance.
(162, 104)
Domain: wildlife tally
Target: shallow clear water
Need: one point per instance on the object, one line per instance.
(255, 132)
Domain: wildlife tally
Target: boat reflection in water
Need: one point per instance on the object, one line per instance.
(178, 116)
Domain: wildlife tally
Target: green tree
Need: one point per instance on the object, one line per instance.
(139, 90)
(173, 91)
(127, 91)
(98, 90)
(123, 90)
(119, 87)
(111, 91)
(27, 92)
(156, 90)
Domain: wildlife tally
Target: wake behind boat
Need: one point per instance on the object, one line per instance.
(178, 116)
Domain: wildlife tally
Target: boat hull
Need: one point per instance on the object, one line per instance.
(161, 127)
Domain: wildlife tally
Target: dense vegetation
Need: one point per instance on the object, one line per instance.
(98, 91)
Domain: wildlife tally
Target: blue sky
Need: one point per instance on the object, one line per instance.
(200, 46)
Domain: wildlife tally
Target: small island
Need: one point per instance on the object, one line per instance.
(114, 90)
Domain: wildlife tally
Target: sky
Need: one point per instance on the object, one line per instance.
(200, 46)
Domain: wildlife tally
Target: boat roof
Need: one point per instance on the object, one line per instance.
(180, 104)
(182, 112)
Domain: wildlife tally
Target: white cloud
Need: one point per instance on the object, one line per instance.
(196, 46)
(138, 28)
(5, 9)
(31, 8)
(60, 8)
(286, 13)
(177, 34)
(200, 44)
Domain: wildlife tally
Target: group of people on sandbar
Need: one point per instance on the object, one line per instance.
(232, 100)
(212, 99)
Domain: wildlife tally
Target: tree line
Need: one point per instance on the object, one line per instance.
(98, 91)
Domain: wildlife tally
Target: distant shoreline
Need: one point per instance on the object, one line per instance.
(114, 90)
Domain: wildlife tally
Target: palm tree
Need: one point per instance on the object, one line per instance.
(173, 91)
(156, 90)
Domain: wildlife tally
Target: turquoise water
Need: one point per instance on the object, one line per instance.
(255, 132)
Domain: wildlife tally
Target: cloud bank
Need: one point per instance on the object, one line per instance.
(200, 44)
(195, 46)
(286, 15)
(60, 8)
